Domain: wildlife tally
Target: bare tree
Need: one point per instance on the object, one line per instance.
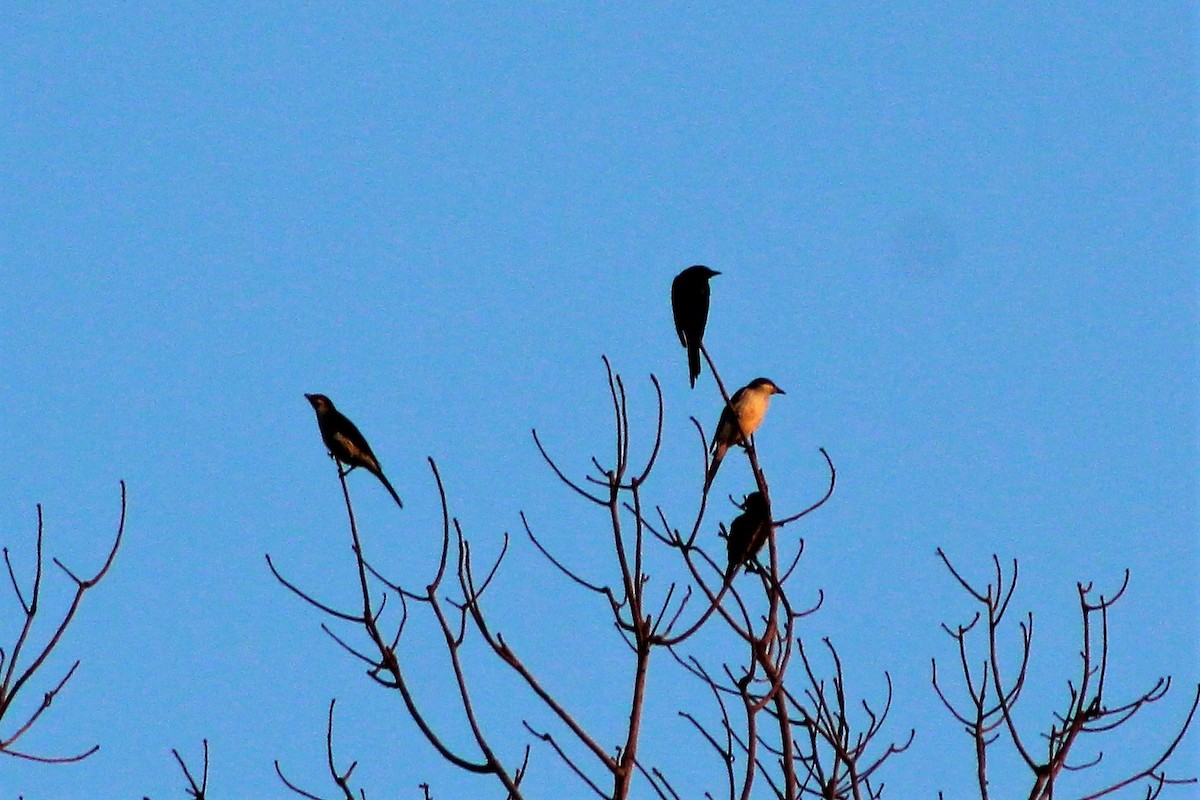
(23, 661)
(782, 721)
(987, 715)
(793, 736)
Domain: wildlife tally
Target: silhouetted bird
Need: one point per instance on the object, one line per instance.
(739, 420)
(344, 441)
(689, 301)
(748, 532)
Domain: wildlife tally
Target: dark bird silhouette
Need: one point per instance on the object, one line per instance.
(739, 420)
(346, 444)
(689, 302)
(748, 532)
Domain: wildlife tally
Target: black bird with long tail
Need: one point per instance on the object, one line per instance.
(689, 302)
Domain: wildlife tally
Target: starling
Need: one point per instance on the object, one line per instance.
(689, 302)
(346, 444)
(739, 420)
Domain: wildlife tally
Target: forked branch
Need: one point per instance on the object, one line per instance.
(22, 661)
(340, 778)
(988, 710)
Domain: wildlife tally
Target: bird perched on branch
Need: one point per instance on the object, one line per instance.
(748, 532)
(346, 444)
(739, 420)
(689, 302)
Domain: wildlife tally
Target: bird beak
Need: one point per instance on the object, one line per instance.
(779, 391)
(308, 397)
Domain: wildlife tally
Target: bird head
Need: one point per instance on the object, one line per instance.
(767, 385)
(319, 401)
(755, 503)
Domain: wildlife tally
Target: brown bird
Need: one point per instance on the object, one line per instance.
(346, 444)
(739, 420)
(748, 532)
(689, 302)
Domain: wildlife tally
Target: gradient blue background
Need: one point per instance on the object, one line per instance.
(964, 240)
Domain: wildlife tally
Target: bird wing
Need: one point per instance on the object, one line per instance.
(727, 428)
(355, 445)
(678, 301)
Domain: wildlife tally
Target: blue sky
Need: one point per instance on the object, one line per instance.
(963, 240)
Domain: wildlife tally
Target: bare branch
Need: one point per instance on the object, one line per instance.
(15, 674)
(196, 789)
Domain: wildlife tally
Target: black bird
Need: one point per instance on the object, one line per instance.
(748, 532)
(739, 420)
(346, 444)
(689, 301)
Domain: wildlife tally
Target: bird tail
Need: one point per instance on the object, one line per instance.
(694, 363)
(732, 570)
(387, 485)
(714, 465)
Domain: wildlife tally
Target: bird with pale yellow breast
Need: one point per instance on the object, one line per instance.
(739, 420)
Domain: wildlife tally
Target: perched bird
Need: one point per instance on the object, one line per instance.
(739, 420)
(345, 443)
(748, 531)
(689, 302)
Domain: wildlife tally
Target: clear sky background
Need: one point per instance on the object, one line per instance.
(963, 240)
